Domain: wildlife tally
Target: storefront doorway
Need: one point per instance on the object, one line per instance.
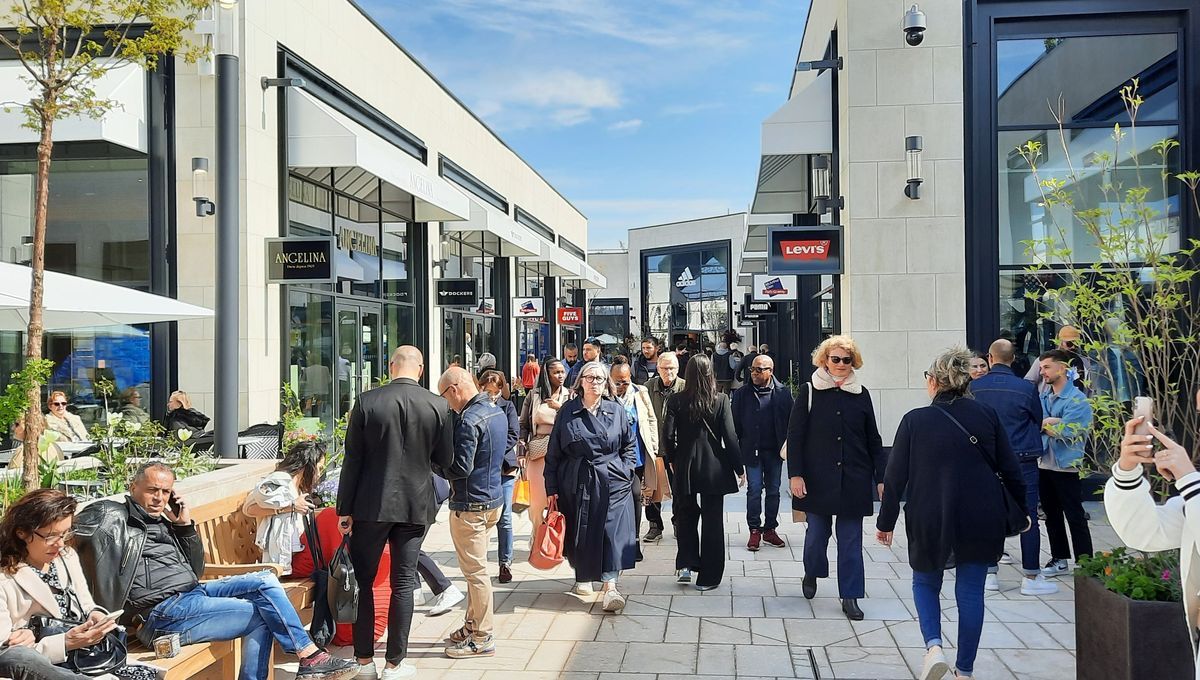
(359, 363)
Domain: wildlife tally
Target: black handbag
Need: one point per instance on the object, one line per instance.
(343, 586)
(1016, 521)
(323, 626)
(105, 656)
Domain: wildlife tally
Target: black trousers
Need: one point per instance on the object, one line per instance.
(701, 534)
(1062, 497)
(25, 663)
(636, 490)
(432, 574)
(366, 547)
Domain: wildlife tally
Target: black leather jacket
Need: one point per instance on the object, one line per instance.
(109, 539)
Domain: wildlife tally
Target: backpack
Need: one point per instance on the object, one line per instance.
(735, 361)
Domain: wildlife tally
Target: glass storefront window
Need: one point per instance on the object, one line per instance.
(687, 293)
(98, 228)
(311, 363)
(357, 229)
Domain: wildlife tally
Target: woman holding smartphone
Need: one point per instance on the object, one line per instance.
(40, 575)
(538, 414)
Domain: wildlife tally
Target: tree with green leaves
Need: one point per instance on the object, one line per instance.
(1135, 299)
(65, 47)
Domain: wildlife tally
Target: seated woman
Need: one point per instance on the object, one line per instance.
(40, 574)
(131, 406)
(280, 502)
(60, 420)
(181, 416)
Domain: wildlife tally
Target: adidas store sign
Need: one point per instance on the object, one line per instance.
(685, 278)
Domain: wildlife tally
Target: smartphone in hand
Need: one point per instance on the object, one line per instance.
(173, 505)
(1143, 407)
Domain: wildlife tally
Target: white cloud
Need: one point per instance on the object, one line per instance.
(689, 109)
(765, 88)
(626, 126)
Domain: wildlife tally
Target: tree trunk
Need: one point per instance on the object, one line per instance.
(34, 422)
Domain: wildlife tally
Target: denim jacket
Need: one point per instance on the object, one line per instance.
(1016, 402)
(480, 441)
(1070, 436)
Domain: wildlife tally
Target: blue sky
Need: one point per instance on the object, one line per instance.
(638, 112)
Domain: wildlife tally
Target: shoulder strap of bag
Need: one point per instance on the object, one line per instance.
(809, 386)
(708, 426)
(314, 542)
(973, 438)
(72, 597)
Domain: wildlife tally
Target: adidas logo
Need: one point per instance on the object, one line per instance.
(685, 278)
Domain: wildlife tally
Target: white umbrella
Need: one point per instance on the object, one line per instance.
(607, 339)
(75, 302)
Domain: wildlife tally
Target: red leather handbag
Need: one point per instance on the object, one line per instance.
(547, 549)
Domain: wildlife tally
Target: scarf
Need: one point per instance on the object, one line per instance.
(822, 380)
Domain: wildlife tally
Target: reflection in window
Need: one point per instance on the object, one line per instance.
(311, 362)
(687, 291)
(1088, 72)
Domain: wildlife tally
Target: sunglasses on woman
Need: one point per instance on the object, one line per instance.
(842, 360)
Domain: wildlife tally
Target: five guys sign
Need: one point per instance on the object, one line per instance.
(805, 250)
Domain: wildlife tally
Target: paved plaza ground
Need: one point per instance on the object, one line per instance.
(756, 625)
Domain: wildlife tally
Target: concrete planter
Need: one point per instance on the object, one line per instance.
(1117, 638)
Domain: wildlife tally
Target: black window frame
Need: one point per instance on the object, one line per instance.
(644, 277)
(986, 22)
(455, 173)
(567, 245)
(539, 227)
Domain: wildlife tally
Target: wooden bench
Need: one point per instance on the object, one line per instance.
(229, 550)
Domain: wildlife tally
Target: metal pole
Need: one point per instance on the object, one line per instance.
(228, 254)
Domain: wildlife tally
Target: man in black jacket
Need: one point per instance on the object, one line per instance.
(476, 500)
(144, 556)
(645, 365)
(396, 435)
(761, 409)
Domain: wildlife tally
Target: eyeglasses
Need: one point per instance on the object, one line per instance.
(926, 374)
(58, 403)
(448, 388)
(55, 538)
(841, 360)
(623, 383)
(761, 369)
(594, 379)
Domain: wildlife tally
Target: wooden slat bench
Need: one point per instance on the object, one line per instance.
(229, 550)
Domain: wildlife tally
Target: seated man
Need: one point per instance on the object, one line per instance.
(150, 556)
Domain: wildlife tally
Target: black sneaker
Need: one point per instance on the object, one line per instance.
(328, 668)
(655, 534)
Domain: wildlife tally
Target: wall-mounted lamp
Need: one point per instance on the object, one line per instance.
(820, 183)
(912, 153)
(204, 206)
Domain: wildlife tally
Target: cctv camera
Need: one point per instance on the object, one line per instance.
(914, 26)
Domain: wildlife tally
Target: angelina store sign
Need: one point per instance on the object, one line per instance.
(300, 260)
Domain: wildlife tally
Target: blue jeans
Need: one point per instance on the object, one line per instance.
(504, 530)
(252, 607)
(968, 593)
(852, 580)
(765, 474)
(1031, 541)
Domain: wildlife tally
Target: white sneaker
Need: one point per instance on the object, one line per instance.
(935, 666)
(404, 670)
(1056, 568)
(367, 670)
(419, 597)
(1006, 559)
(991, 582)
(613, 601)
(683, 575)
(445, 601)
(583, 590)
(1038, 586)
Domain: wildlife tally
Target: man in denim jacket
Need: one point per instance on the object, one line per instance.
(476, 500)
(1067, 419)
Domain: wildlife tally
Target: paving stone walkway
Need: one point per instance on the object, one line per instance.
(756, 625)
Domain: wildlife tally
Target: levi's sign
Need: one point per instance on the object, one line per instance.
(300, 260)
(804, 250)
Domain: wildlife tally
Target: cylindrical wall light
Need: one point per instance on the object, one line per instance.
(820, 183)
(204, 206)
(912, 153)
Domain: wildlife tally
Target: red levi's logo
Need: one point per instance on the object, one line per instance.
(805, 250)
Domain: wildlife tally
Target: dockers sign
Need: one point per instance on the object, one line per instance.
(457, 292)
(300, 260)
(805, 250)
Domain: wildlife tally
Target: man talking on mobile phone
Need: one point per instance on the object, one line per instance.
(151, 559)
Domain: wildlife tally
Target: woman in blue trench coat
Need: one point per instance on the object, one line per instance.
(589, 468)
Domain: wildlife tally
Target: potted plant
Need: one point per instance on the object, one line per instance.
(1129, 620)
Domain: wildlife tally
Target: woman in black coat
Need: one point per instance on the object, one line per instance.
(701, 447)
(956, 512)
(589, 469)
(835, 463)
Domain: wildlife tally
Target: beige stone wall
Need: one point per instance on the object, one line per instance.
(904, 289)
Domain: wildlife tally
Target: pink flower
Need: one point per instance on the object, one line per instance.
(1166, 575)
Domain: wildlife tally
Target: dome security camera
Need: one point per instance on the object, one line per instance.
(914, 26)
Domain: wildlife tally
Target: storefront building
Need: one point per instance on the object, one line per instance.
(407, 184)
(949, 266)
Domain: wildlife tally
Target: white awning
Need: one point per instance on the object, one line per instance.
(516, 240)
(591, 278)
(124, 124)
(564, 264)
(320, 137)
(800, 128)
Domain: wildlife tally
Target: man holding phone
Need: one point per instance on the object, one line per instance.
(151, 559)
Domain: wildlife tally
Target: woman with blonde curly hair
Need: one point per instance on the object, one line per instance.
(835, 464)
